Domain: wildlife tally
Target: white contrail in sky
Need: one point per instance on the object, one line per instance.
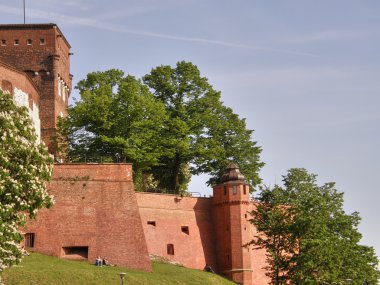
(46, 15)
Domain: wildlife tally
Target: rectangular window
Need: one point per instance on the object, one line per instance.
(170, 249)
(185, 229)
(76, 252)
(17, 42)
(225, 190)
(3, 42)
(152, 223)
(234, 190)
(29, 239)
(42, 41)
(245, 189)
(29, 42)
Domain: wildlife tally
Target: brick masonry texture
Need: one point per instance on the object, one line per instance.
(170, 213)
(42, 53)
(95, 207)
(11, 77)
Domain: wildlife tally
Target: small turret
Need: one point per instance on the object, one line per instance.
(232, 173)
(230, 208)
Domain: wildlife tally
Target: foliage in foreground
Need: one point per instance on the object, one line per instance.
(171, 125)
(309, 237)
(38, 269)
(24, 168)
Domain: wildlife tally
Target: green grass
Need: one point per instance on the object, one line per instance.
(38, 269)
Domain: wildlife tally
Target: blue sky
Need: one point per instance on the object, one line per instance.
(304, 73)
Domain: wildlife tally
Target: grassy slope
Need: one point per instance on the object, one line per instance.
(38, 269)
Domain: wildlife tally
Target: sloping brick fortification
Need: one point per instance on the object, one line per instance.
(95, 207)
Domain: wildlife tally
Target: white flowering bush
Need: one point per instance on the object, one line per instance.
(25, 166)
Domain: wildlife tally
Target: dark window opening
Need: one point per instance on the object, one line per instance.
(245, 189)
(185, 229)
(29, 42)
(75, 252)
(42, 41)
(152, 223)
(29, 239)
(17, 42)
(225, 190)
(170, 249)
(234, 190)
(245, 215)
(3, 42)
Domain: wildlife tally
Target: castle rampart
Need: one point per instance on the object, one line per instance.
(95, 213)
(179, 228)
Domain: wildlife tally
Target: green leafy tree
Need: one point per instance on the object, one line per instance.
(203, 133)
(25, 166)
(117, 119)
(309, 237)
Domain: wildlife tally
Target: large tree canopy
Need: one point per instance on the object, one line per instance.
(309, 237)
(117, 119)
(25, 166)
(205, 134)
(172, 126)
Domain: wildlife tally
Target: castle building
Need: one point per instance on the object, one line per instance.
(97, 212)
(35, 68)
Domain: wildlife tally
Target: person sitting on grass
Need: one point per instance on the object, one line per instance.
(106, 262)
(98, 261)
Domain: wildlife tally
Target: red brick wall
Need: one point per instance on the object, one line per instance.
(258, 257)
(10, 75)
(95, 207)
(170, 212)
(43, 63)
(233, 230)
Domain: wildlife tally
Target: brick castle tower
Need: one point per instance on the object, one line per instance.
(230, 209)
(43, 53)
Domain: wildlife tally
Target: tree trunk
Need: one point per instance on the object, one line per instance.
(175, 177)
(143, 181)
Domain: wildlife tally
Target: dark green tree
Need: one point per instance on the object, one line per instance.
(309, 237)
(203, 133)
(118, 119)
